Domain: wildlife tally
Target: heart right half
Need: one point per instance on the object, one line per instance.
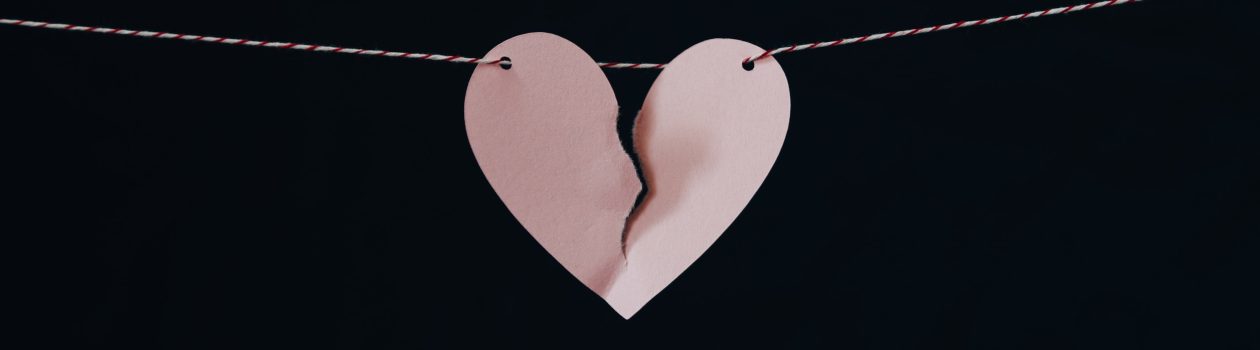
(544, 133)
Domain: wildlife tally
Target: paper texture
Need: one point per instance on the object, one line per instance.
(544, 133)
(707, 136)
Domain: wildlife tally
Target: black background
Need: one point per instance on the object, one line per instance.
(1079, 181)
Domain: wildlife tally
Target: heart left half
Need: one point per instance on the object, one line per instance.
(545, 135)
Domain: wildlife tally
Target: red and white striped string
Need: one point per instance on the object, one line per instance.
(463, 59)
(937, 28)
(230, 41)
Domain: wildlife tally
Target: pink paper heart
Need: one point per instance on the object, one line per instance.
(544, 133)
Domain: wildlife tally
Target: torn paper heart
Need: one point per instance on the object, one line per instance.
(544, 133)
